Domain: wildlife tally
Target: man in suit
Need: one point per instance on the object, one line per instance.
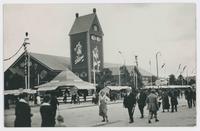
(141, 102)
(47, 113)
(23, 112)
(152, 105)
(129, 103)
(54, 103)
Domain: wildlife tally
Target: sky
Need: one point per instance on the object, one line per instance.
(134, 29)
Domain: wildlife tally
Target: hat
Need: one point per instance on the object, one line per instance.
(153, 90)
(60, 118)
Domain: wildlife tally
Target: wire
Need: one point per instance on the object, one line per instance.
(14, 54)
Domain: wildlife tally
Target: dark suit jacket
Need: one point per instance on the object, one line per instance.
(46, 112)
(23, 115)
(130, 100)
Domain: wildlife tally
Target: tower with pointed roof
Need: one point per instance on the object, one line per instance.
(86, 45)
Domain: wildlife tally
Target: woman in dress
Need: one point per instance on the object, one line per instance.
(103, 99)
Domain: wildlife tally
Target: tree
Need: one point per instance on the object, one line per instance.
(103, 78)
(172, 79)
(181, 80)
(124, 76)
(133, 80)
(192, 81)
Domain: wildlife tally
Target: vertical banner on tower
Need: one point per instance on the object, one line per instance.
(96, 48)
(79, 57)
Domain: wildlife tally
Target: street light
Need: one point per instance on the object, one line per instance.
(122, 57)
(119, 66)
(157, 64)
(27, 62)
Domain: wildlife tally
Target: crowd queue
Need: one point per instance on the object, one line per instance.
(164, 99)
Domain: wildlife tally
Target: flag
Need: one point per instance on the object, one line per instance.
(179, 66)
(163, 65)
(184, 68)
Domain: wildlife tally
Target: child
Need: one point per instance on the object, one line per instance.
(60, 121)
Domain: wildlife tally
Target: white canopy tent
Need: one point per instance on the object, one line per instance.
(118, 88)
(17, 92)
(168, 87)
(66, 79)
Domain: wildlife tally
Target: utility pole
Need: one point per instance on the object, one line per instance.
(157, 64)
(136, 76)
(26, 63)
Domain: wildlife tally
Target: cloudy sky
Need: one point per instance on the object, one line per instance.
(133, 29)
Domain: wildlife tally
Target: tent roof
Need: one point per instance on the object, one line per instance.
(66, 75)
(118, 87)
(17, 92)
(168, 87)
(65, 79)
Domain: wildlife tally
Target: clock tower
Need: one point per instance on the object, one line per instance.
(86, 46)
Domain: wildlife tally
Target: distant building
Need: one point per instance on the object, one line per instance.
(146, 76)
(86, 43)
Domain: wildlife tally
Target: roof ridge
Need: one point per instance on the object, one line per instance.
(47, 54)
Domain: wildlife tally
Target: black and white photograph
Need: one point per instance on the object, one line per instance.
(99, 64)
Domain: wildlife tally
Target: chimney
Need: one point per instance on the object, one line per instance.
(76, 15)
(94, 10)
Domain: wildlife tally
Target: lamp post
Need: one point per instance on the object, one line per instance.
(157, 64)
(27, 62)
(150, 72)
(119, 66)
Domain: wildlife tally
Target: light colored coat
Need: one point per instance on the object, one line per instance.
(152, 102)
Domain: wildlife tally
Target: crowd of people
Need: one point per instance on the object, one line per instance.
(165, 99)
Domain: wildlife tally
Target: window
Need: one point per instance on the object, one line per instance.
(93, 37)
(98, 39)
(95, 28)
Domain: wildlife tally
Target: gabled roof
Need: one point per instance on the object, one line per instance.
(51, 61)
(82, 24)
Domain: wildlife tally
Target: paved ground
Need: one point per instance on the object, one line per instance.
(86, 115)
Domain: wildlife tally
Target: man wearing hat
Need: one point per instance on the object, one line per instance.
(23, 112)
(152, 105)
(129, 103)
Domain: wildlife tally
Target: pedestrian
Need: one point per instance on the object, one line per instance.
(38, 100)
(129, 103)
(174, 101)
(46, 112)
(165, 101)
(65, 98)
(60, 122)
(188, 97)
(194, 97)
(152, 106)
(103, 100)
(141, 102)
(54, 103)
(23, 112)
